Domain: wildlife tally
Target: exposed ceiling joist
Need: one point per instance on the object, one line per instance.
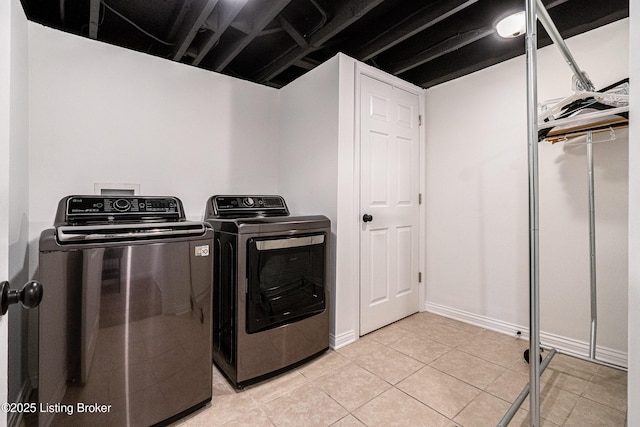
(263, 17)
(470, 69)
(347, 13)
(306, 64)
(273, 42)
(227, 12)
(411, 26)
(94, 18)
(450, 45)
(193, 22)
(179, 13)
(293, 33)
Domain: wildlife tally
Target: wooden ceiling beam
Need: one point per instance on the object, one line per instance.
(194, 20)
(263, 17)
(180, 12)
(447, 46)
(94, 18)
(227, 12)
(543, 40)
(411, 26)
(450, 45)
(346, 14)
(471, 68)
(293, 32)
(306, 64)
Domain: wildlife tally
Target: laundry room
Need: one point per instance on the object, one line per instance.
(93, 115)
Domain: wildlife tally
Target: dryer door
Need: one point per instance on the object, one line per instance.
(286, 280)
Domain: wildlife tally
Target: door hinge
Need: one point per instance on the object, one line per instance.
(420, 277)
(419, 198)
(419, 119)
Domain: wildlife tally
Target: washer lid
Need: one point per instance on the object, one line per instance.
(134, 231)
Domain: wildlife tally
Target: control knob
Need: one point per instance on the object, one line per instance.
(248, 202)
(122, 205)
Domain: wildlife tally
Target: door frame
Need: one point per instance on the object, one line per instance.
(5, 74)
(360, 70)
(14, 178)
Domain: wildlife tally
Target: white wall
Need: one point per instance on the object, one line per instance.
(308, 161)
(633, 392)
(316, 171)
(103, 114)
(477, 200)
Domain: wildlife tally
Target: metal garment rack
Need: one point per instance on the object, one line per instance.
(535, 10)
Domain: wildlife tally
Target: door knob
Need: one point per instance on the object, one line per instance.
(367, 218)
(30, 295)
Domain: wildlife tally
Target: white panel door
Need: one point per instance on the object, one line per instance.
(389, 206)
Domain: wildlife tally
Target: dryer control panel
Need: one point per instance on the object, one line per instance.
(246, 206)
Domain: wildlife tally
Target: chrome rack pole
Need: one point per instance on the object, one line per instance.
(586, 84)
(553, 32)
(592, 247)
(524, 393)
(532, 136)
(535, 10)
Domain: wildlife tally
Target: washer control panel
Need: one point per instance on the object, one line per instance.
(125, 207)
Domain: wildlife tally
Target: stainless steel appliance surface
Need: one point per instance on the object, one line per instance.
(271, 286)
(125, 321)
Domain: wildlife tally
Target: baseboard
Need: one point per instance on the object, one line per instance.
(563, 344)
(338, 341)
(475, 319)
(15, 418)
(581, 349)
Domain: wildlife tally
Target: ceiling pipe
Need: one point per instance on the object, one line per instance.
(323, 19)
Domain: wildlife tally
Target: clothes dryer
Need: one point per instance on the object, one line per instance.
(271, 286)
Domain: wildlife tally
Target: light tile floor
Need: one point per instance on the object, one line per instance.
(425, 370)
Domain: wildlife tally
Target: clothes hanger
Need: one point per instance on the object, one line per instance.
(585, 110)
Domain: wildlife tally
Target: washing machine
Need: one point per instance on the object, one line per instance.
(271, 286)
(125, 321)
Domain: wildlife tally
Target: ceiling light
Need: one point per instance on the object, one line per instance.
(512, 26)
